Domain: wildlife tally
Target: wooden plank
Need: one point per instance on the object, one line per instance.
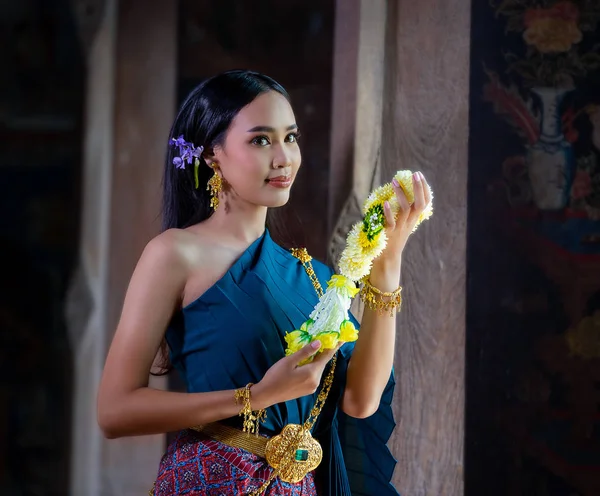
(425, 127)
(343, 107)
(144, 106)
(146, 68)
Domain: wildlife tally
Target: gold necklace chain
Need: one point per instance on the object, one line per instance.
(302, 255)
(296, 436)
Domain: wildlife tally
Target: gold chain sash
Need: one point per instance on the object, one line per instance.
(294, 453)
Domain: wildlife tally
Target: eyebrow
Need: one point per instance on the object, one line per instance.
(268, 129)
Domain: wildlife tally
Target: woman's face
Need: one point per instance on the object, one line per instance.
(260, 157)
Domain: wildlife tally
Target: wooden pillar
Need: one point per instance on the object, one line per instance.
(130, 105)
(416, 102)
(356, 117)
(344, 88)
(426, 128)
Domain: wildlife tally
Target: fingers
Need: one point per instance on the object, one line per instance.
(323, 358)
(306, 352)
(427, 190)
(327, 353)
(402, 202)
(419, 190)
(419, 201)
(390, 222)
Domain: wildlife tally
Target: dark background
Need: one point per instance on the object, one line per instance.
(533, 278)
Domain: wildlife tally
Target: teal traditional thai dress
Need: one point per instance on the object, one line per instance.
(230, 336)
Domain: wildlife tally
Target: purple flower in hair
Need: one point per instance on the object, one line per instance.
(179, 141)
(178, 162)
(187, 153)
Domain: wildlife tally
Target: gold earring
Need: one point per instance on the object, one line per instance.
(215, 186)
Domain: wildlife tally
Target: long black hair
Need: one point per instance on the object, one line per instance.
(203, 119)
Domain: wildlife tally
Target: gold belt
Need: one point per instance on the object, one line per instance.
(235, 438)
(292, 454)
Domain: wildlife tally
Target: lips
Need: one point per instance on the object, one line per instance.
(280, 181)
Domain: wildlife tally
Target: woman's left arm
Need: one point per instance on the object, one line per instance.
(371, 363)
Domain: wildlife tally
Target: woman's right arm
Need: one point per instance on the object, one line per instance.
(127, 406)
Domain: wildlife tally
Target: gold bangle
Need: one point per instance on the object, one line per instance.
(381, 301)
(252, 419)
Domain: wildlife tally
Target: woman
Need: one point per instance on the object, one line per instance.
(224, 294)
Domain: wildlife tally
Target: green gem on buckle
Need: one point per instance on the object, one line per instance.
(301, 455)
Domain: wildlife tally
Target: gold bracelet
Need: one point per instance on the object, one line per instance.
(381, 301)
(252, 419)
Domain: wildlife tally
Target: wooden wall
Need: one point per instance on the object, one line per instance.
(424, 126)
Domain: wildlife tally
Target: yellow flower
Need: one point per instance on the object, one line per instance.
(405, 178)
(363, 241)
(553, 35)
(380, 196)
(305, 325)
(406, 183)
(370, 247)
(344, 285)
(296, 340)
(584, 339)
(359, 253)
(386, 193)
(348, 332)
(354, 268)
(328, 340)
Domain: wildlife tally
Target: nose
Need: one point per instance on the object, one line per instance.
(282, 158)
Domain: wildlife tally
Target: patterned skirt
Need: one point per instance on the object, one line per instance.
(196, 466)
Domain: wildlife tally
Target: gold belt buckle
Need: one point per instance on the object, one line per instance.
(293, 453)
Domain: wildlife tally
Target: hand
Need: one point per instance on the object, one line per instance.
(287, 380)
(398, 230)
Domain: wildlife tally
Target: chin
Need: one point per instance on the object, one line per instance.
(277, 200)
(280, 203)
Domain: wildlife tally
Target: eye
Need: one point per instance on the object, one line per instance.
(260, 141)
(292, 137)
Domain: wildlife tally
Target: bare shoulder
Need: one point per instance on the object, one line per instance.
(163, 248)
(191, 258)
(162, 275)
(176, 248)
(206, 256)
